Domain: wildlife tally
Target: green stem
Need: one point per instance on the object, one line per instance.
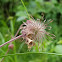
(31, 53)
(15, 57)
(25, 9)
(12, 30)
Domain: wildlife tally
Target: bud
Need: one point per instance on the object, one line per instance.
(11, 46)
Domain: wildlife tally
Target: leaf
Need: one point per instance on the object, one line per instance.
(58, 49)
(60, 42)
(21, 13)
(2, 38)
(21, 18)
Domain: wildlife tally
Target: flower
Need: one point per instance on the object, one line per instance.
(34, 30)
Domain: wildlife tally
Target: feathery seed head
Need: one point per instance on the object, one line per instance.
(34, 30)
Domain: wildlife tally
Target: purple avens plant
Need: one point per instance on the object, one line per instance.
(32, 31)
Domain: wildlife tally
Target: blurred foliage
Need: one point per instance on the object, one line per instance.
(13, 14)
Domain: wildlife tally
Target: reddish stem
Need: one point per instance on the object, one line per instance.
(12, 40)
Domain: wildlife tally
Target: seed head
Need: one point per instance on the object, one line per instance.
(34, 30)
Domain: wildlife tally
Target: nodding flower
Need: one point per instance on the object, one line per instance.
(34, 30)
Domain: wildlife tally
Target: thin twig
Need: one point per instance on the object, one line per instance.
(5, 54)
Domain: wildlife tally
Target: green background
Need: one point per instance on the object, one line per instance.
(13, 14)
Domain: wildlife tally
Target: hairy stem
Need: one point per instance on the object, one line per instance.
(12, 40)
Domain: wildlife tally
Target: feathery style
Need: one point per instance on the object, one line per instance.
(35, 31)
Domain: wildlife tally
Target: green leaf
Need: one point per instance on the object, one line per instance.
(21, 18)
(21, 13)
(58, 49)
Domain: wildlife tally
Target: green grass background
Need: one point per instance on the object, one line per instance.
(13, 14)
